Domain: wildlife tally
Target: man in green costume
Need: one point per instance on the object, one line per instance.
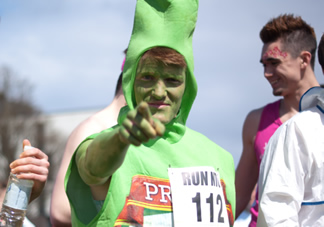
(127, 174)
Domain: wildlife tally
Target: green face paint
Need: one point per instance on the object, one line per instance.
(161, 86)
(167, 24)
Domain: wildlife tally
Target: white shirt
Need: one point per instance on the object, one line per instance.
(291, 180)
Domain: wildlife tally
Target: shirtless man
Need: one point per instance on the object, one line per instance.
(60, 213)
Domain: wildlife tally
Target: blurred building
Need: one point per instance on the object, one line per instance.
(57, 127)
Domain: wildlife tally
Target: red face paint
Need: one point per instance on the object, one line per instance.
(275, 52)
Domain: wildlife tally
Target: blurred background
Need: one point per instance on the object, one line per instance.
(60, 60)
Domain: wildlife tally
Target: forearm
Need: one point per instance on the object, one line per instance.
(241, 204)
(246, 177)
(244, 195)
(61, 215)
(60, 212)
(98, 159)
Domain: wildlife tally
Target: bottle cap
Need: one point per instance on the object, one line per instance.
(28, 147)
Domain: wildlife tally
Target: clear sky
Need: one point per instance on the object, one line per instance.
(71, 51)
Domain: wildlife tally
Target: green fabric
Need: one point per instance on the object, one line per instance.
(194, 149)
(168, 23)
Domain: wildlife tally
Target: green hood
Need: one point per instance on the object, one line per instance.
(167, 23)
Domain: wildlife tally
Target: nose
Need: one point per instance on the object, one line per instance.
(159, 90)
(267, 72)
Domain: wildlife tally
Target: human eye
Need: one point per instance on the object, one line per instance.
(147, 77)
(174, 80)
(269, 63)
(274, 63)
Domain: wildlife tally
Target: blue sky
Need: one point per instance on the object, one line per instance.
(71, 51)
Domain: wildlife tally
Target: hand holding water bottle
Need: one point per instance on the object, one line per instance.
(26, 182)
(32, 164)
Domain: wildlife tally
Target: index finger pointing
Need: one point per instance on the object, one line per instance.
(144, 110)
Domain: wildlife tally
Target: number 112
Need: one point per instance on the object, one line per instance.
(209, 200)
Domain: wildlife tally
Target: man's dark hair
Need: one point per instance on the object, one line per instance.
(321, 52)
(119, 83)
(294, 33)
(120, 78)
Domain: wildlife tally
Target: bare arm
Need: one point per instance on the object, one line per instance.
(247, 171)
(60, 212)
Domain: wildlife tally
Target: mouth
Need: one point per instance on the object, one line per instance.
(274, 82)
(158, 105)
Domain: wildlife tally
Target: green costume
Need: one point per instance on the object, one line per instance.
(168, 23)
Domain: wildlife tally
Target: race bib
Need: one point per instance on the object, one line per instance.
(197, 197)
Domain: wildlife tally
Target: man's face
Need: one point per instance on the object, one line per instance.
(161, 86)
(280, 69)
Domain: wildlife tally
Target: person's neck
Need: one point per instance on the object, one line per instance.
(290, 104)
(119, 101)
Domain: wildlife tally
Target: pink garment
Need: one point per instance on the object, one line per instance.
(122, 67)
(269, 122)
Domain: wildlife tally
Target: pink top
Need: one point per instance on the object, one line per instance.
(269, 122)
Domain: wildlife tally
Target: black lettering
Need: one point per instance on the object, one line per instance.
(204, 178)
(214, 179)
(195, 179)
(186, 178)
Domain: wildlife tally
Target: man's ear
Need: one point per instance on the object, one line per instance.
(305, 59)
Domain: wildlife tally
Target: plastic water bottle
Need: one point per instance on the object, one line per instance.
(16, 200)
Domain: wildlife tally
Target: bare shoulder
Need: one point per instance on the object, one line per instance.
(253, 117)
(255, 114)
(86, 128)
(251, 124)
(105, 118)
